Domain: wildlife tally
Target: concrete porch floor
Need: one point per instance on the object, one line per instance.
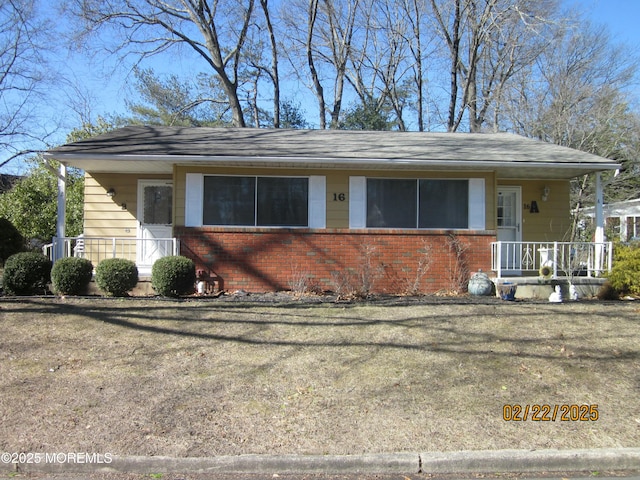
(537, 288)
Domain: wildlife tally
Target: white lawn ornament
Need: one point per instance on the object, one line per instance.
(556, 296)
(573, 292)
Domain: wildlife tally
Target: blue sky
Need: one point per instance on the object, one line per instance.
(621, 16)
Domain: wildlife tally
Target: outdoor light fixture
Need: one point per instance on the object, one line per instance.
(545, 193)
(111, 193)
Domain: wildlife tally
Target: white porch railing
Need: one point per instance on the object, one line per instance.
(563, 258)
(142, 251)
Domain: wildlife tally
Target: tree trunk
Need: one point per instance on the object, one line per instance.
(453, 42)
(275, 75)
(318, 90)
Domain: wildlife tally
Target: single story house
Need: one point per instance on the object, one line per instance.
(263, 209)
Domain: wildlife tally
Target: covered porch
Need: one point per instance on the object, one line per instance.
(534, 269)
(142, 251)
(551, 259)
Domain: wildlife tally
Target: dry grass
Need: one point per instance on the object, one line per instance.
(202, 377)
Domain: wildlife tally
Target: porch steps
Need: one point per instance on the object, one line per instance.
(536, 288)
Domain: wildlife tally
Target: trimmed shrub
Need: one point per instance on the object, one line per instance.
(71, 276)
(173, 276)
(625, 273)
(116, 276)
(27, 273)
(11, 242)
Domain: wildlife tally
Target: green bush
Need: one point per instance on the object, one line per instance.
(173, 276)
(116, 276)
(26, 273)
(625, 273)
(71, 276)
(11, 242)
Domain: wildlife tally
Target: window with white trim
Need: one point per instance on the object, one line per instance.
(255, 201)
(417, 203)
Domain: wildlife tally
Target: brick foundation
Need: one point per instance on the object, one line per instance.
(382, 261)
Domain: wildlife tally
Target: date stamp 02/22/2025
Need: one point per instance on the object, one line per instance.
(550, 413)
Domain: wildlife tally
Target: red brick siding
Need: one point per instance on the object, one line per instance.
(258, 260)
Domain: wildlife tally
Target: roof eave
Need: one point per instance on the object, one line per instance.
(307, 162)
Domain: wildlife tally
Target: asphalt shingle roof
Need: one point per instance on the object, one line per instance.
(322, 148)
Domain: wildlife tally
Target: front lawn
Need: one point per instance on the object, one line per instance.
(206, 377)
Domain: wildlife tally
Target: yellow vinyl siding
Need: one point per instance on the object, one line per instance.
(553, 220)
(104, 216)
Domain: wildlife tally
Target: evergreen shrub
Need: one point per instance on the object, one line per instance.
(116, 276)
(27, 273)
(71, 276)
(173, 276)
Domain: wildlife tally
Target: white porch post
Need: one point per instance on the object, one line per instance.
(599, 237)
(62, 213)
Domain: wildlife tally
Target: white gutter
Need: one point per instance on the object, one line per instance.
(198, 159)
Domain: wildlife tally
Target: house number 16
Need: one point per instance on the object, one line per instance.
(339, 197)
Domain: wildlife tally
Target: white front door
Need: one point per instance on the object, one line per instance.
(155, 213)
(509, 220)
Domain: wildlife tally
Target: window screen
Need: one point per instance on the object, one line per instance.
(444, 204)
(229, 201)
(391, 203)
(283, 202)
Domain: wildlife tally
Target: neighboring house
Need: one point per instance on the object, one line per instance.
(621, 216)
(260, 209)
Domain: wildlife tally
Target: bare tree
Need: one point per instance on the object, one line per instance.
(487, 41)
(317, 85)
(22, 77)
(216, 31)
(322, 48)
(415, 11)
(261, 43)
(380, 60)
(274, 74)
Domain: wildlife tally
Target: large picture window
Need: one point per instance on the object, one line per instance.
(255, 201)
(419, 203)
